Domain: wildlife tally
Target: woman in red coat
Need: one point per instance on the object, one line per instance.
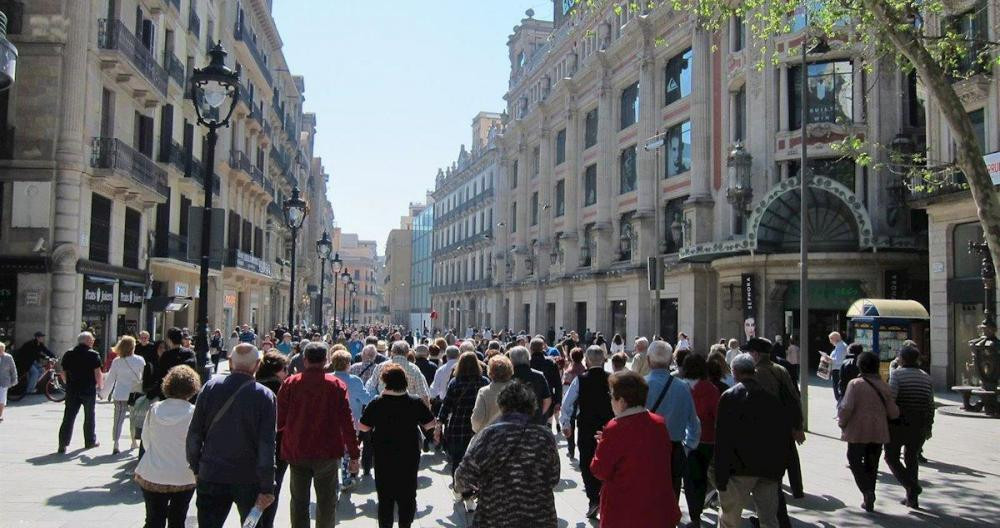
(633, 461)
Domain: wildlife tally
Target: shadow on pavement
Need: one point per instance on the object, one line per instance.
(113, 493)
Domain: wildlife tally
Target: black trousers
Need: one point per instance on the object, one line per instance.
(588, 445)
(166, 509)
(678, 466)
(367, 450)
(863, 459)
(795, 470)
(696, 479)
(835, 380)
(907, 470)
(267, 519)
(396, 487)
(571, 441)
(74, 401)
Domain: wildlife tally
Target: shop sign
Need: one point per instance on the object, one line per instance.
(32, 298)
(181, 289)
(230, 299)
(992, 161)
(98, 295)
(130, 294)
(251, 263)
(748, 292)
(893, 284)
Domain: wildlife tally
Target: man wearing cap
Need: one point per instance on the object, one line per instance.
(28, 356)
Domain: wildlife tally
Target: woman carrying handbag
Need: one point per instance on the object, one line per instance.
(124, 385)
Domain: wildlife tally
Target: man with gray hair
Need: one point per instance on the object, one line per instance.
(443, 375)
(671, 399)
(588, 398)
(424, 363)
(230, 442)
(751, 448)
(523, 372)
(81, 372)
(640, 363)
(415, 382)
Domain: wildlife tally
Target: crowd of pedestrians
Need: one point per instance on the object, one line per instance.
(645, 423)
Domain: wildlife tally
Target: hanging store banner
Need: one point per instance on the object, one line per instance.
(98, 295)
(131, 294)
(748, 291)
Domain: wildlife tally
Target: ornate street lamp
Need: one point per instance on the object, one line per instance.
(985, 349)
(215, 92)
(345, 277)
(354, 295)
(323, 248)
(8, 56)
(337, 265)
(295, 210)
(739, 193)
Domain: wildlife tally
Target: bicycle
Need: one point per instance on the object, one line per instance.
(49, 383)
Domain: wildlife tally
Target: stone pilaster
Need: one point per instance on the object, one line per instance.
(698, 209)
(646, 166)
(606, 170)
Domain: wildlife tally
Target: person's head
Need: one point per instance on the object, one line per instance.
(660, 355)
(537, 345)
(834, 338)
(452, 352)
(144, 337)
(394, 378)
(468, 366)
(340, 360)
(441, 343)
(734, 344)
(758, 347)
(315, 354)
(467, 346)
(594, 356)
(909, 357)
(381, 347)
(855, 349)
(618, 361)
(273, 365)
(868, 363)
(125, 346)
(433, 351)
(3, 347)
(500, 369)
(743, 367)
(400, 348)
(641, 344)
(175, 336)
(517, 398)
(86, 339)
(718, 358)
(519, 356)
(628, 390)
(181, 383)
(694, 367)
(371, 340)
(368, 353)
(40, 337)
(679, 356)
(618, 340)
(160, 347)
(266, 346)
(421, 351)
(494, 345)
(718, 347)
(245, 357)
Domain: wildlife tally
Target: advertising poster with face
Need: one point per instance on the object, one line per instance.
(748, 290)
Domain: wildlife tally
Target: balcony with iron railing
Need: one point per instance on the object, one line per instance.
(194, 23)
(241, 34)
(925, 187)
(245, 261)
(116, 41)
(118, 157)
(257, 175)
(274, 209)
(196, 171)
(238, 160)
(175, 69)
(467, 205)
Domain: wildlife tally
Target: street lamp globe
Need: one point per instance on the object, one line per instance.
(295, 211)
(324, 246)
(345, 277)
(337, 264)
(215, 89)
(8, 56)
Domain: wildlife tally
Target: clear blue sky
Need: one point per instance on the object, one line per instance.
(395, 88)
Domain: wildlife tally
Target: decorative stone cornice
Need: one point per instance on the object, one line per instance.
(973, 90)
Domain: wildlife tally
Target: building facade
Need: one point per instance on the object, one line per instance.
(463, 241)
(397, 281)
(422, 269)
(585, 204)
(103, 164)
(360, 262)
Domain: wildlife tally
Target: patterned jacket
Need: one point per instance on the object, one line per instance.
(515, 467)
(456, 410)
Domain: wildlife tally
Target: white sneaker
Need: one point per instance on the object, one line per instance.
(470, 505)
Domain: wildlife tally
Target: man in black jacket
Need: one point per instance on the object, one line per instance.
(535, 380)
(27, 357)
(548, 368)
(81, 371)
(849, 368)
(175, 355)
(751, 447)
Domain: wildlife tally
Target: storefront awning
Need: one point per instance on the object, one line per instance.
(894, 308)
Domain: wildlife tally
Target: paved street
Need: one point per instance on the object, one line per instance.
(93, 489)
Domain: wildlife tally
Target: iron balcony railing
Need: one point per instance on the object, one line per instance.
(245, 261)
(269, 187)
(115, 154)
(477, 284)
(173, 154)
(113, 35)
(194, 23)
(240, 34)
(257, 175)
(239, 160)
(196, 171)
(173, 247)
(951, 183)
(467, 205)
(290, 179)
(175, 69)
(275, 210)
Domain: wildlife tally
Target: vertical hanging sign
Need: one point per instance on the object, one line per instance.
(748, 291)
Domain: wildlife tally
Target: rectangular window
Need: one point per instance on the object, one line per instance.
(534, 208)
(513, 175)
(185, 211)
(560, 198)
(513, 218)
(678, 76)
(626, 170)
(536, 162)
(590, 185)
(740, 114)
(246, 243)
(830, 97)
(561, 146)
(590, 129)
(972, 29)
(914, 104)
(130, 249)
(100, 228)
(678, 149)
(630, 106)
(107, 113)
(234, 230)
(979, 127)
(739, 34)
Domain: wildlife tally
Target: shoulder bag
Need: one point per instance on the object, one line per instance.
(892, 421)
(226, 405)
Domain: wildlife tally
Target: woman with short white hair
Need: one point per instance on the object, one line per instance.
(8, 376)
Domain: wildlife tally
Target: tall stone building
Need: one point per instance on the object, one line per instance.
(360, 258)
(422, 269)
(463, 221)
(584, 204)
(103, 167)
(398, 267)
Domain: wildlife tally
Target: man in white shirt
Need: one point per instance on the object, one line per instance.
(415, 382)
(443, 375)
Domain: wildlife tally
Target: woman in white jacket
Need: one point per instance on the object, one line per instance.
(163, 473)
(123, 379)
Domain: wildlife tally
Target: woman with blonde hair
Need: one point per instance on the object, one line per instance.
(124, 385)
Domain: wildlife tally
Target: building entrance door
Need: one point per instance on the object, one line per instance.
(581, 318)
(821, 323)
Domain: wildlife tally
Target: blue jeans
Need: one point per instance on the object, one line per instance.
(34, 373)
(216, 499)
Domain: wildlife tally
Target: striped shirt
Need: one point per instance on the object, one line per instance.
(416, 384)
(914, 393)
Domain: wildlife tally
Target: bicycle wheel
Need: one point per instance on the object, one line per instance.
(54, 390)
(17, 392)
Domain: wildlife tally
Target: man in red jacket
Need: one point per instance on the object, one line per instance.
(314, 416)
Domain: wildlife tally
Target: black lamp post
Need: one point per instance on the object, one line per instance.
(337, 265)
(211, 87)
(8, 56)
(295, 214)
(354, 295)
(323, 248)
(345, 277)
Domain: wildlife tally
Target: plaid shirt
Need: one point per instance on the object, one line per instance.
(456, 409)
(363, 370)
(415, 382)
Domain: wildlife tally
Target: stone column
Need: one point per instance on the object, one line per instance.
(545, 205)
(605, 174)
(570, 238)
(698, 208)
(70, 157)
(646, 170)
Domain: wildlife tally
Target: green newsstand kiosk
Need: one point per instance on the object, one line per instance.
(882, 325)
